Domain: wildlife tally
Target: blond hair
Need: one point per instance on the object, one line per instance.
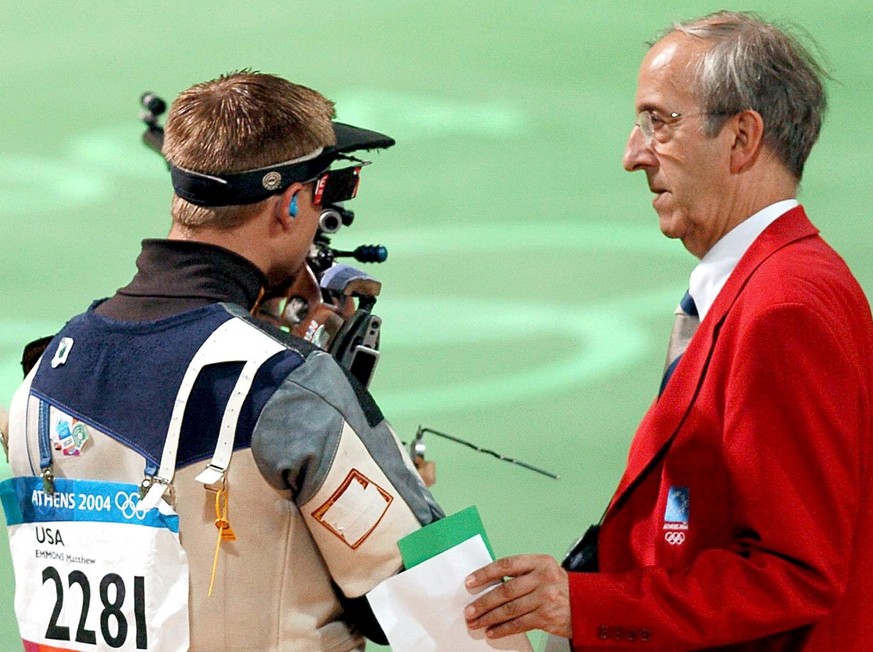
(241, 121)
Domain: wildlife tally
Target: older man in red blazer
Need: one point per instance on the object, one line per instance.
(743, 520)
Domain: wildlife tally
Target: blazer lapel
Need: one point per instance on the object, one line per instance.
(666, 415)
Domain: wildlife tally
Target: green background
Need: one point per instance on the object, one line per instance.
(528, 294)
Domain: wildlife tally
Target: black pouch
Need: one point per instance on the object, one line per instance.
(582, 557)
(31, 353)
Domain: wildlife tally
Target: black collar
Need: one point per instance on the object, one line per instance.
(178, 275)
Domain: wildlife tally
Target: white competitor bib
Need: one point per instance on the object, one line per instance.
(92, 572)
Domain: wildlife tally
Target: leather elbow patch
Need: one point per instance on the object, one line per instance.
(356, 518)
(354, 509)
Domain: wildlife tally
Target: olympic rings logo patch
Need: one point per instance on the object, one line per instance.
(126, 503)
(674, 538)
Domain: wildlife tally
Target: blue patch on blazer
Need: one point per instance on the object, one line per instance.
(677, 505)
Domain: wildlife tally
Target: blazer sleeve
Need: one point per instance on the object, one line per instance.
(796, 417)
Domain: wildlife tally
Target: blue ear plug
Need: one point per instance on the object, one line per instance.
(292, 207)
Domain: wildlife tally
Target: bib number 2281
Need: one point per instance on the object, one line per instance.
(112, 591)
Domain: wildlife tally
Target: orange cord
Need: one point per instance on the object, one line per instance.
(225, 532)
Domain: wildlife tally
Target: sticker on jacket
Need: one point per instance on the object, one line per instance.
(69, 436)
(62, 352)
(676, 515)
(354, 510)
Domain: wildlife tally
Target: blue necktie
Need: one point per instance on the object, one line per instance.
(684, 327)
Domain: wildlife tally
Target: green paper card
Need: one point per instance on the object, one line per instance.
(441, 535)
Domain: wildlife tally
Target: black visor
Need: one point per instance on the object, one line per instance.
(251, 186)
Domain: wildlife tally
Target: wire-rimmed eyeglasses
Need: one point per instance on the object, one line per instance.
(657, 127)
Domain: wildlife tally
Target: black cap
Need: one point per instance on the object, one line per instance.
(251, 186)
(352, 139)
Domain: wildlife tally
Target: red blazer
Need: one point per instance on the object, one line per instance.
(744, 517)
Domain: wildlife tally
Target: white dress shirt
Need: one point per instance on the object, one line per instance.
(713, 270)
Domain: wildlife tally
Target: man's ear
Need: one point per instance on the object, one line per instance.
(287, 206)
(748, 130)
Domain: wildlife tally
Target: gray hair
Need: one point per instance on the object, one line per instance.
(755, 65)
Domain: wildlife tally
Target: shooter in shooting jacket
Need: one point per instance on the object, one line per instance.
(177, 447)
